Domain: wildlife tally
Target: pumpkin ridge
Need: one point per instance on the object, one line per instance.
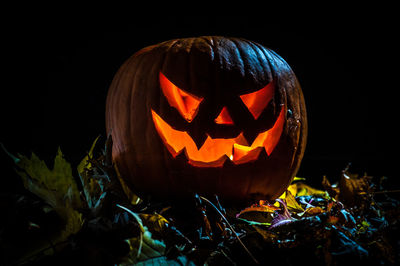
(210, 43)
(151, 125)
(132, 92)
(258, 50)
(303, 131)
(240, 57)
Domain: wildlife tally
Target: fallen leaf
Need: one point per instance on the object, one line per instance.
(57, 187)
(306, 190)
(282, 218)
(331, 189)
(254, 222)
(291, 203)
(263, 206)
(85, 163)
(352, 187)
(155, 222)
(313, 211)
(144, 247)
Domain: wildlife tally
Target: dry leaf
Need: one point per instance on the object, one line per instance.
(263, 206)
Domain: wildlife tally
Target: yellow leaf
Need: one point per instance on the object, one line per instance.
(291, 202)
(155, 222)
(57, 187)
(54, 186)
(305, 190)
(298, 179)
(293, 189)
(133, 198)
(84, 163)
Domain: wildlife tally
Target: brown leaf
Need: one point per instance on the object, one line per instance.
(263, 206)
(352, 188)
(312, 211)
(332, 190)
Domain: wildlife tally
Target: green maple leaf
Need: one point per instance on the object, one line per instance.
(57, 187)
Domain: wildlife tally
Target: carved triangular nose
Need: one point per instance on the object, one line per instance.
(224, 118)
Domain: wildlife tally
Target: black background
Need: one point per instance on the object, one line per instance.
(57, 72)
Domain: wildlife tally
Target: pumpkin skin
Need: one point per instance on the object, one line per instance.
(213, 76)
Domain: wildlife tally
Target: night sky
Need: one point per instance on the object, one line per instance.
(58, 73)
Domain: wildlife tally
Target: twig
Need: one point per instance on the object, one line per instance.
(230, 226)
(381, 192)
(142, 230)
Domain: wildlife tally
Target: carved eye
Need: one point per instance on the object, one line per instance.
(258, 100)
(187, 104)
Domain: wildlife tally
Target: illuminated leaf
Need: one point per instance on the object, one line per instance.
(305, 190)
(263, 206)
(352, 188)
(254, 222)
(54, 186)
(298, 179)
(333, 190)
(291, 202)
(57, 187)
(155, 222)
(74, 222)
(145, 247)
(282, 218)
(92, 189)
(292, 188)
(332, 219)
(85, 162)
(313, 211)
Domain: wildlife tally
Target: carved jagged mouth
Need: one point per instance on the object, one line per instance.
(215, 151)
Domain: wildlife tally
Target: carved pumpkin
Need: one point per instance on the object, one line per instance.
(212, 115)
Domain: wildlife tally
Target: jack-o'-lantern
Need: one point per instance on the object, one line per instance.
(211, 115)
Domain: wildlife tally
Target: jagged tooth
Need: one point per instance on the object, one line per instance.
(198, 139)
(241, 140)
(181, 155)
(228, 163)
(245, 154)
(250, 137)
(238, 150)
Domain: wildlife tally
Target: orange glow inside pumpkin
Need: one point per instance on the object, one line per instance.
(224, 118)
(258, 100)
(187, 104)
(215, 151)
